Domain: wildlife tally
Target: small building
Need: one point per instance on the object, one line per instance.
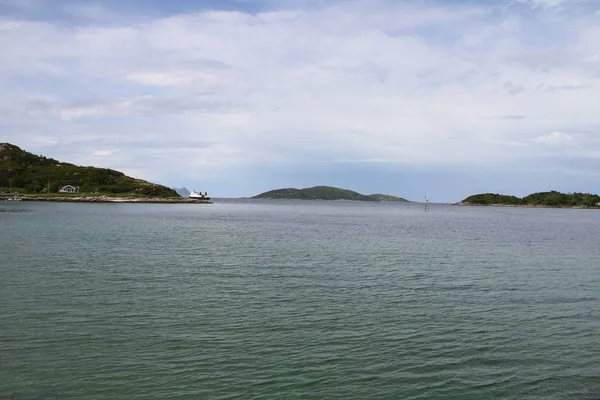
(68, 189)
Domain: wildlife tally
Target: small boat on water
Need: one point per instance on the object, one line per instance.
(198, 195)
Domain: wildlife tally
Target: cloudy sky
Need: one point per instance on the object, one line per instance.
(236, 97)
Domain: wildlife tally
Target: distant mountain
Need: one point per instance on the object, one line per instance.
(547, 199)
(183, 192)
(324, 193)
(24, 172)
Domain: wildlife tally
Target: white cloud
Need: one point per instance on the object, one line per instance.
(555, 138)
(544, 3)
(71, 113)
(375, 82)
(160, 79)
(132, 106)
(104, 153)
(175, 78)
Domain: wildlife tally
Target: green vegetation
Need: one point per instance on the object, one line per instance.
(28, 173)
(324, 193)
(385, 197)
(491, 198)
(548, 199)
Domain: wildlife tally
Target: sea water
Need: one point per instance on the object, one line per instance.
(298, 299)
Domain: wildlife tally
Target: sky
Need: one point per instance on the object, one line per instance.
(236, 97)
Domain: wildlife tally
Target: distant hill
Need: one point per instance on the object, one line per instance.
(183, 192)
(548, 199)
(29, 173)
(324, 193)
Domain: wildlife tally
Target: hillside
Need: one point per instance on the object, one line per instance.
(324, 193)
(547, 199)
(32, 174)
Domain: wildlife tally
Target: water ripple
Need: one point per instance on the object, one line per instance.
(298, 300)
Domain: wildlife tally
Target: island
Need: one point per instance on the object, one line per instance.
(26, 176)
(324, 193)
(540, 199)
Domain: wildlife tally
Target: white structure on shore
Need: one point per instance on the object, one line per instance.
(68, 189)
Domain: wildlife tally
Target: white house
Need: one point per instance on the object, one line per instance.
(68, 189)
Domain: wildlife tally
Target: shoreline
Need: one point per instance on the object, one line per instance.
(527, 206)
(304, 199)
(110, 199)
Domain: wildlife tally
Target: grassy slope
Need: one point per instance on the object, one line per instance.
(323, 193)
(550, 199)
(33, 174)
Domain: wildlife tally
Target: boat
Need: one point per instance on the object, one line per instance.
(198, 195)
(15, 197)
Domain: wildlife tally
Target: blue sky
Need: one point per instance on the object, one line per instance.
(447, 98)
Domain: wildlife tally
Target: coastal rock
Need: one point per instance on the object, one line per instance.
(112, 199)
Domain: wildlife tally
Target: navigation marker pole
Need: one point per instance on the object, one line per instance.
(426, 204)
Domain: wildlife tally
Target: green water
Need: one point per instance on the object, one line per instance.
(311, 300)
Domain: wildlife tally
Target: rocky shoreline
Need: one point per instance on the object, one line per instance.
(111, 199)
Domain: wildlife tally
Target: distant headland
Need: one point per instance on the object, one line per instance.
(324, 193)
(540, 199)
(27, 176)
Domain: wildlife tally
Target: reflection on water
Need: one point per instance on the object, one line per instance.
(15, 210)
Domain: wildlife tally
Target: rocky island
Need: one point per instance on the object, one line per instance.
(38, 178)
(540, 199)
(324, 193)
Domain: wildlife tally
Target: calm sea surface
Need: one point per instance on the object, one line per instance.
(285, 300)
